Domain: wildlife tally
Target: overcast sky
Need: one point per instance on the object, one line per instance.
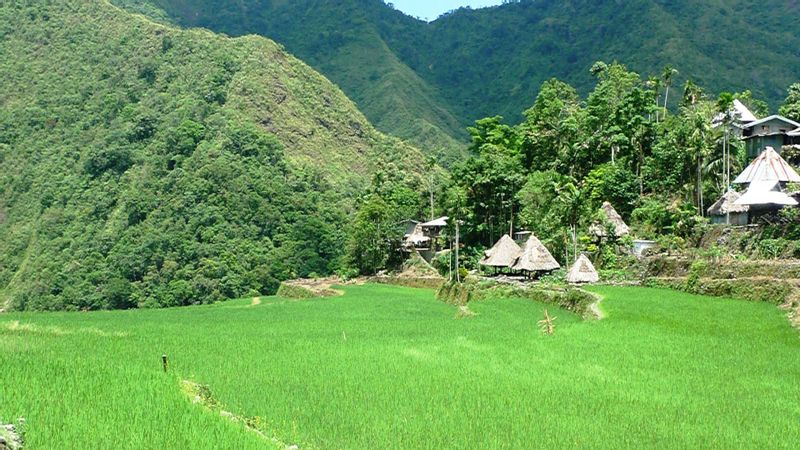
(431, 9)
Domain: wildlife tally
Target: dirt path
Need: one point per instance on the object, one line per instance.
(594, 308)
(256, 301)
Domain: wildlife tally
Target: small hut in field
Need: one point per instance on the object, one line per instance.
(618, 227)
(503, 254)
(583, 271)
(535, 258)
(726, 209)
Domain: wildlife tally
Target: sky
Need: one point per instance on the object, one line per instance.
(431, 9)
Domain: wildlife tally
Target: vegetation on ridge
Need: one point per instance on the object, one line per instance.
(421, 80)
(143, 165)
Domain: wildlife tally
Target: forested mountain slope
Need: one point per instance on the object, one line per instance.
(147, 165)
(415, 79)
(344, 40)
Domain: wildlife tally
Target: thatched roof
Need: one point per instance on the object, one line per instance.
(768, 166)
(503, 254)
(620, 227)
(583, 271)
(726, 204)
(535, 257)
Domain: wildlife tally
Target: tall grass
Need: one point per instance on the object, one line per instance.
(389, 367)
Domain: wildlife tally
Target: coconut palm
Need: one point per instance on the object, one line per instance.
(667, 76)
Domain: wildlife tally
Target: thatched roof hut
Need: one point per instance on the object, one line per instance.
(503, 254)
(726, 204)
(535, 257)
(620, 227)
(727, 211)
(583, 271)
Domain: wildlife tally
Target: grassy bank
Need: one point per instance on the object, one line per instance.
(390, 367)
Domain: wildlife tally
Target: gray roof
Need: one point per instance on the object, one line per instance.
(768, 166)
(770, 118)
(441, 222)
(741, 115)
(766, 193)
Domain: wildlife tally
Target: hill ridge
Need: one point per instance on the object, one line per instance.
(489, 61)
(159, 167)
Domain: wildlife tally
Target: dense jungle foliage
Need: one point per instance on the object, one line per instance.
(142, 165)
(551, 173)
(427, 81)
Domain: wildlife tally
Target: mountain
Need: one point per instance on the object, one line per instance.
(144, 165)
(343, 40)
(421, 81)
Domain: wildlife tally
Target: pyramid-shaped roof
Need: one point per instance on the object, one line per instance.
(744, 113)
(583, 271)
(741, 113)
(503, 254)
(768, 166)
(620, 227)
(535, 257)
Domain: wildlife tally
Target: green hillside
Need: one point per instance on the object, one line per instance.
(343, 40)
(147, 165)
(476, 63)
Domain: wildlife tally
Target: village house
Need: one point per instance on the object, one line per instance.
(773, 131)
(611, 226)
(765, 181)
(423, 238)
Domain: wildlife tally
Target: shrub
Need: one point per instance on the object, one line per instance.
(772, 248)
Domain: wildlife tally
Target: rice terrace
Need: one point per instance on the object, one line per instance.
(391, 367)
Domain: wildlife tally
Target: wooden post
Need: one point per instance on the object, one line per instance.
(458, 273)
(450, 264)
(164, 362)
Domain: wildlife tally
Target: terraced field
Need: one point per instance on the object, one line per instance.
(390, 367)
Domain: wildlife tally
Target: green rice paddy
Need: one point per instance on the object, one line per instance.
(390, 367)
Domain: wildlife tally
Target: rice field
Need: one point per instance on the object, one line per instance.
(390, 367)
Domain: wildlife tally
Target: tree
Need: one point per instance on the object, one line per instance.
(667, 76)
(370, 235)
(791, 106)
(490, 179)
(551, 129)
(613, 183)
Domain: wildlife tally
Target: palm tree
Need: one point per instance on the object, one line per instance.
(570, 201)
(655, 84)
(668, 75)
